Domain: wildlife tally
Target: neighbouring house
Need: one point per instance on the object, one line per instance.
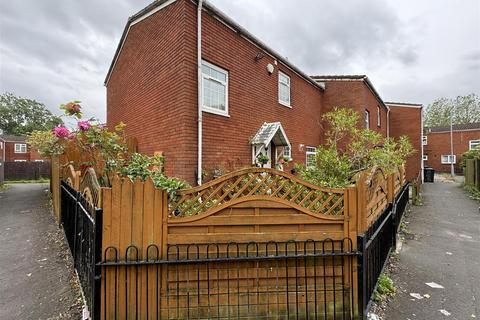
(15, 149)
(437, 145)
(406, 120)
(252, 100)
(356, 92)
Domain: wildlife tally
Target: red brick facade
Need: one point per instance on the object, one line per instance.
(7, 150)
(152, 87)
(438, 144)
(406, 120)
(355, 92)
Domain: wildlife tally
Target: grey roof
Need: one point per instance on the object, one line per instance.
(407, 104)
(270, 132)
(224, 18)
(456, 127)
(348, 77)
(12, 138)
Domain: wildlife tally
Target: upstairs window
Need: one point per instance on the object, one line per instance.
(310, 157)
(284, 89)
(214, 89)
(367, 119)
(379, 118)
(20, 148)
(424, 140)
(449, 159)
(474, 144)
(425, 157)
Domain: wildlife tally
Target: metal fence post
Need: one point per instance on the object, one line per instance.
(362, 277)
(98, 269)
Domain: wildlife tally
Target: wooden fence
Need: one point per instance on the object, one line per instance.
(472, 173)
(250, 205)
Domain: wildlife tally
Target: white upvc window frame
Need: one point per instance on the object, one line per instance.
(17, 160)
(449, 159)
(424, 140)
(310, 151)
(20, 148)
(425, 157)
(224, 83)
(38, 160)
(473, 145)
(379, 117)
(288, 84)
(366, 119)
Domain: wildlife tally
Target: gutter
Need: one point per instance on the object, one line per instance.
(199, 91)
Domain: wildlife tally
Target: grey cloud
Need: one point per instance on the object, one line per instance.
(57, 50)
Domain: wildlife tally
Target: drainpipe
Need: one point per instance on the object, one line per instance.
(199, 90)
(388, 123)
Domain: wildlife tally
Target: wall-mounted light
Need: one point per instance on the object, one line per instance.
(270, 68)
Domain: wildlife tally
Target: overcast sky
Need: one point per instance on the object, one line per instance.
(413, 51)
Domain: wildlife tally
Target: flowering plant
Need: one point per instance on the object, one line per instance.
(104, 150)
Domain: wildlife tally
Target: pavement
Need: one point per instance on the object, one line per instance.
(442, 248)
(36, 276)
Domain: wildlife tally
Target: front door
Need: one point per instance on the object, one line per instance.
(267, 151)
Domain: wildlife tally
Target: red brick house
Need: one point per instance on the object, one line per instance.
(15, 149)
(437, 146)
(251, 100)
(356, 92)
(406, 120)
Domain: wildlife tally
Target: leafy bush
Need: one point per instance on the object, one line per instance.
(349, 150)
(105, 149)
(471, 154)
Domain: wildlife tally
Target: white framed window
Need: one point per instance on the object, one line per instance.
(1, 145)
(287, 152)
(39, 160)
(367, 119)
(424, 157)
(379, 117)
(284, 89)
(310, 156)
(424, 140)
(214, 89)
(472, 144)
(20, 160)
(449, 159)
(20, 148)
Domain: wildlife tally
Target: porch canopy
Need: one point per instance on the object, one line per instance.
(268, 133)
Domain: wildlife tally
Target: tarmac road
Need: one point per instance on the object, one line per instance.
(445, 250)
(36, 277)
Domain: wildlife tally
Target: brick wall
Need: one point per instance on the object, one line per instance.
(408, 121)
(356, 95)
(153, 89)
(11, 156)
(438, 144)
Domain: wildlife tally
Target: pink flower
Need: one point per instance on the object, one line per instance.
(61, 132)
(83, 125)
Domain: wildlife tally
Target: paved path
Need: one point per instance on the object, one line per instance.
(445, 250)
(35, 269)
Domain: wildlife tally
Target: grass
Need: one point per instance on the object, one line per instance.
(3, 187)
(385, 288)
(28, 181)
(473, 192)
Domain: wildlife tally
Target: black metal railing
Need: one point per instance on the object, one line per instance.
(401, 202)
(82, 224)
(288, 280)
(375, 246)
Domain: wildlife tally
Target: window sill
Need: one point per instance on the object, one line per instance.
(216, 112)
(285, 104)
